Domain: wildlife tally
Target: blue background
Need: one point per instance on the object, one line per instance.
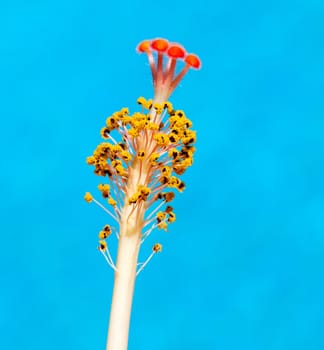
(242, 268)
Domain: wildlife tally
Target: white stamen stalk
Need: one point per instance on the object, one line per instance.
(145, 263)
(108, 259)
(105, 209)
(148, 221)
(148, 232)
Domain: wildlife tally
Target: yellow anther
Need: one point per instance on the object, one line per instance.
(188, 123)
(120, 170)
(144, 192)
(112, 202)
(123, 146)
(107, 228)
(112, 122)
(174, 120)
(91, 160)
(88, 197)
(173, 137)
(104, 132)
(179, 168)
(141, 101)
(126, 156)
(141, 154)
(162, 225)
(126, 120)
(136, 117)
(102, 245)
(158, 107)
(180, 113)
(189, 137)
(146, 104)
(168, 196)
(124, 111)
(157, 248)
(134, 198)
(174, 182)
(116, 148)
(173, 153)
(164, 179)
(152, 126)
(160, 216)
(161, 139)
(116, 162)
(105, 189)
(187, 151)
(168, 106)
(149, 104)
(188, 161)
(172, 217)
(154, 157)
(115, 117)
(133, 132)
(181, 186)
(103, 234)
(166, 171)
(140, 124)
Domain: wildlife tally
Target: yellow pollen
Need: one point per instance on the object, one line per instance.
(88, 197)
(102, 245)
(157, 248)
(112, 202)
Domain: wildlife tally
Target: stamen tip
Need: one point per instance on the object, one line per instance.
(160, 45)
(176, 51)
(88, 197)
(157, 248)
(193, 61)
(143, 46)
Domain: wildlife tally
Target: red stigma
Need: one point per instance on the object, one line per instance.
(144, 46)
(165, 75)
(193, 61)
(176, 51)
(159, 45)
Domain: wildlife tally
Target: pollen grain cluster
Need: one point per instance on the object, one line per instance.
(143, 155)
(157, 146)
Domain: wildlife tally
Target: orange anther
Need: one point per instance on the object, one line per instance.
(176, 51)
(193, 61)
(159, 45)
(144, 46)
